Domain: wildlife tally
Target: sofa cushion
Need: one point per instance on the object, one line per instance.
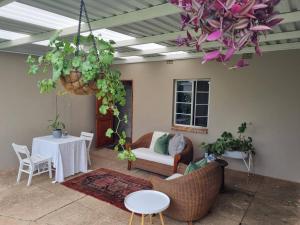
(161, 145)
(155, 136)
(147, 154)
(174, 176)
(176, 144)
(195, 166)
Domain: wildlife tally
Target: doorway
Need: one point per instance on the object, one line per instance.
(103, 122)
(127, 110)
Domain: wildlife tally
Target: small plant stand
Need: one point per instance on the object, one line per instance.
(247, 159)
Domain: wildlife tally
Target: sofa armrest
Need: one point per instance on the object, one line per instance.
(186, 156)
(142, 142)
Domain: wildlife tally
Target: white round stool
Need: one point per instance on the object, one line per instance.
(147, 202)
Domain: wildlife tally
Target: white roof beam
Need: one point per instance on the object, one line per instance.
(266, 48)
(270, 37)
(131, 17)
(288, 18)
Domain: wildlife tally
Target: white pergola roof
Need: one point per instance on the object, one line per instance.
(140, 22)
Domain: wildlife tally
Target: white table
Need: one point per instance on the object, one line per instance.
(147, 202)
(68, 154)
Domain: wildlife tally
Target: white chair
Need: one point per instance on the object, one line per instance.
(88, 137)
(36, 163)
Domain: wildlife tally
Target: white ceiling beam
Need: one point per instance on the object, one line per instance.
(5, 2)
(266, 48)
(150, 39)
(131, 17)
(288, 18)
(270, 37)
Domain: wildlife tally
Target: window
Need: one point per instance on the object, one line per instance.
(191, 100)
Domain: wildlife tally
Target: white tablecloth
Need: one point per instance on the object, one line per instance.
(69, 154)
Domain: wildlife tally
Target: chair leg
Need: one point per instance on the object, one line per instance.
(129, 165)
(190, 223)
(89, 158)
(30, 176)
(50, 169)
(19, 173)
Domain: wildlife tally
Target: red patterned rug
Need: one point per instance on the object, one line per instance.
(108, 185)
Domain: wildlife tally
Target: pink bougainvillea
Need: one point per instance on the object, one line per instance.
(233, 24)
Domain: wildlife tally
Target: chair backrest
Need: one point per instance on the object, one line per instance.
(88, 137)
(22, 152)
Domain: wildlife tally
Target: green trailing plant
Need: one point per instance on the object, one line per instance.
(227, 142)
(56, 124)
(93, 59)
(64, 57)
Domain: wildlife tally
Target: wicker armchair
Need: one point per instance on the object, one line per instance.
(186, 156)
(191, 195)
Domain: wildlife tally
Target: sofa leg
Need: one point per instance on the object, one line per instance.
(129, 165)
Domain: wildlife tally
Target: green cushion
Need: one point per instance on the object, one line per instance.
(161, 145)
(195, 165)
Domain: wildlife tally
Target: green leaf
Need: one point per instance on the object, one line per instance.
(109, 133)
(33, 69)
(76, 61)
(116, 112)
(103, 109)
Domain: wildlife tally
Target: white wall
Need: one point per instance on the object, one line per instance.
(266, 93)
(24, 112)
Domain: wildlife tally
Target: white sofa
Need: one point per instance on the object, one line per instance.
(148, 159)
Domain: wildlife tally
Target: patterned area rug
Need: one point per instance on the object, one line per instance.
(108, 185)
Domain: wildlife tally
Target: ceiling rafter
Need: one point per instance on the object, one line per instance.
(131, 17)
(270, 37)
(265, 48)
(288, 18)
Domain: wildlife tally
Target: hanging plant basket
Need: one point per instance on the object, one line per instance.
(78, 64)
(74, 83)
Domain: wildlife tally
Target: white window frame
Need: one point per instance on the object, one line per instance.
(193, 103)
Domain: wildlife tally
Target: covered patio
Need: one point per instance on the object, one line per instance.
(194, 104)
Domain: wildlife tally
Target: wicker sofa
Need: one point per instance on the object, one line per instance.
(156, 163)
(191, 195)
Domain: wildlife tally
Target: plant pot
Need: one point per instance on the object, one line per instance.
(57, 133)
(74, 84)
(235, 154)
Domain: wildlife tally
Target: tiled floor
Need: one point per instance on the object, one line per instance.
(254, 201)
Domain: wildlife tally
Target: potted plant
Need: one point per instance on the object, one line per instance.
(56, 126)
(229, 146)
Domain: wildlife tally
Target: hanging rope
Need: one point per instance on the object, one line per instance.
(83, 9)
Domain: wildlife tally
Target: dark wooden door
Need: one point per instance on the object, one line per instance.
(103, 122)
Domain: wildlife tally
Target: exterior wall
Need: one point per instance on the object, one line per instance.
(25, 112)
(266, 94)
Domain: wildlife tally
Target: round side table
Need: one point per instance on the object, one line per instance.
(147, 202)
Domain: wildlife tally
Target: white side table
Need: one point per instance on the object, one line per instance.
(147, 202)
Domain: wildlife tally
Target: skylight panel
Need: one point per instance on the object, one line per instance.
(9, 35)
(28, 14)
(43, 43)
(174, 53)
(149, 46)
(110, 35)
(131, 57)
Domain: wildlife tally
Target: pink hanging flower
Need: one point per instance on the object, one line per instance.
(233, 24)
